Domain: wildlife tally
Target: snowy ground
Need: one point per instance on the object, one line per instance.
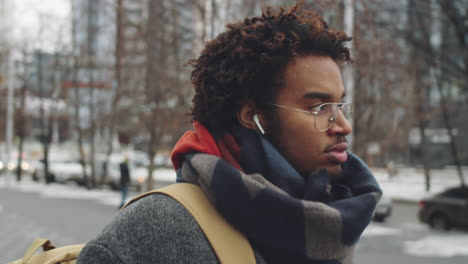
(166, 176)
(443, 245)
(438, 244)
(409, 184)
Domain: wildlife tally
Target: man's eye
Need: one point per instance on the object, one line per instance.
(313, 108)
(322, 108)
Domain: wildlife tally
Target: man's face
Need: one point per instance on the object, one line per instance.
(309, 82)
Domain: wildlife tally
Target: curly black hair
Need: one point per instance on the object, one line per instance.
(247, 61)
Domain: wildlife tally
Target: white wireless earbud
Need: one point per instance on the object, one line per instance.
(257, 122)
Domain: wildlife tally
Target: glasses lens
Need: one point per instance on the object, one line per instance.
(327, 114)
(347, 111)
(325, 117)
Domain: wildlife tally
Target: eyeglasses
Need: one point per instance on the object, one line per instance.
(324, 114)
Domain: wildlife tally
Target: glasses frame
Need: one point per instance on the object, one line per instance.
(332, 119)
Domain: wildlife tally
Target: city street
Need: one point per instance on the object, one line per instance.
(69, 215)
(106, 93)
(62, 213)
(403, 239)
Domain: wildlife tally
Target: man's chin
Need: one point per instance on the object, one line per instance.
(334, 170)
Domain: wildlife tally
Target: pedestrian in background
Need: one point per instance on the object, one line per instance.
(124, 180)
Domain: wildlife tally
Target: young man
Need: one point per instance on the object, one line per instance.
(268, 150)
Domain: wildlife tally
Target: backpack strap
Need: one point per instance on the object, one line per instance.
(51, 255)
(229, 245)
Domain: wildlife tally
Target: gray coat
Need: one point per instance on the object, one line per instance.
(155, 229)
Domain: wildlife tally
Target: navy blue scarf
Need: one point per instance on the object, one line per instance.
(290, 217)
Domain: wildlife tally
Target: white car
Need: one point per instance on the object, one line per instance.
(61, 170)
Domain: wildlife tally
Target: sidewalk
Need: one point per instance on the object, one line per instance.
(105, 196)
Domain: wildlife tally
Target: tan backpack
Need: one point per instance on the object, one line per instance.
(229, 245)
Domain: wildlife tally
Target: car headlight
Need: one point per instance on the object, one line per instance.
(1, 165)
(11, 166)
(25, 166)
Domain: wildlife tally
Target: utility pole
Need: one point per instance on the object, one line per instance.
(348, 73)
(10, 109)
(10, 92)
(91, 67)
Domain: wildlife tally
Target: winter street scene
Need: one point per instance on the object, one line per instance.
(304, 131)
(68, 214)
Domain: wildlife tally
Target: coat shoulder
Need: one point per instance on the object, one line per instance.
(156, 228)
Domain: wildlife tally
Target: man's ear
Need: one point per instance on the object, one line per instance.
(246, 116)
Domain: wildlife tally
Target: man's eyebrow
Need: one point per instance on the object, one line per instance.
(319, 95)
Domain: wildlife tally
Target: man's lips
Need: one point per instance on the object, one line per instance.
(337, 153)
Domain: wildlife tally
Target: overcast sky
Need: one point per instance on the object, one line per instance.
(30, 17)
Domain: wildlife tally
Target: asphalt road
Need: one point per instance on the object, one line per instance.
(25, 216)
(403, 228)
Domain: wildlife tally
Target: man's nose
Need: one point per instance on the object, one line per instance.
(341, 126)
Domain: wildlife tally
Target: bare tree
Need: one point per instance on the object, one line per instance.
(455, 20)
(91, 32)
(442, 59)
(21, 116)
(167, 83)
(456, 14)
(76, 102)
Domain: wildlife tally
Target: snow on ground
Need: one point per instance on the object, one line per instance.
(409, 183)
(445, 245)
(72, 191)
(436, 244)
(378, 230)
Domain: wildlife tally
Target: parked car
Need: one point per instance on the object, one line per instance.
(383, 209)
(12, 166)
(446, 209)
(61, 170)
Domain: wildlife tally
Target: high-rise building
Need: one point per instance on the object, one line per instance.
(6, 7)
(5, 10)
(93, 38)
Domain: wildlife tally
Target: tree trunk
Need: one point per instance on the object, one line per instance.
(90, 53)
(448, 125)
(22, 120)
(151, 167)
(419, 23)
(118, 77)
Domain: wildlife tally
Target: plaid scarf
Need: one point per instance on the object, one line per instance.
(289, 217)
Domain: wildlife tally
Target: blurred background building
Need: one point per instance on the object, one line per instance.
(5, 18)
